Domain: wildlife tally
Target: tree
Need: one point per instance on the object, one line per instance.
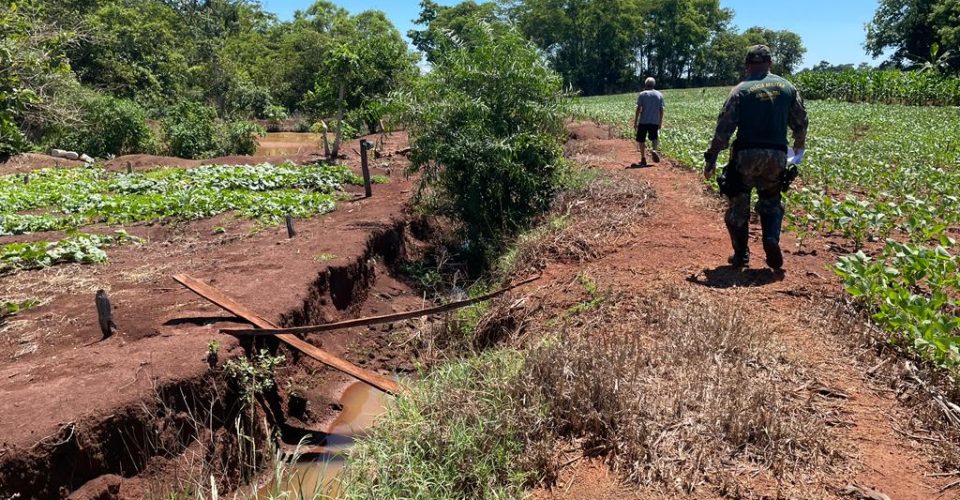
(721, 62)
(133, 50)
(591, 43)
(486, 134)
(367, 60)
(913, 28)
(786, 46)
(304, 45)
(35, 78)
(443, 24)
(826, 66)
(679, 29)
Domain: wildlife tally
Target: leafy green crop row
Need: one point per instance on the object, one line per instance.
(872, 172)
(70, 198)
(913, 290)
(82, 248)
(12, 308)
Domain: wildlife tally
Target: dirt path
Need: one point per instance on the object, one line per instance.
(683, 240)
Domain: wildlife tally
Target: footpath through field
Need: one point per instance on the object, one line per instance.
(684, 241)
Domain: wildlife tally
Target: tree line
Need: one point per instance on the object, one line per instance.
(186, 77)
(69, 68)
(606, 46)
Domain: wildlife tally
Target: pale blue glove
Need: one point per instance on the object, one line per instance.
(795, 157)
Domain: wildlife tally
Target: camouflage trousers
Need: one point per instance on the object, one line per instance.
(759, 169)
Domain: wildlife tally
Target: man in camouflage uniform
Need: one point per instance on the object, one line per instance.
(760, 108)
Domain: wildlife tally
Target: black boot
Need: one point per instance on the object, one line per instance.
(771, 218)
(739, 237)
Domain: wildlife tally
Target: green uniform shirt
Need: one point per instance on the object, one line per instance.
(760, 109)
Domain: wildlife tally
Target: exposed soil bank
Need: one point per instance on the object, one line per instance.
(74, 409)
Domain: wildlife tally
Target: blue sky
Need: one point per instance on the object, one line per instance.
(832, 30)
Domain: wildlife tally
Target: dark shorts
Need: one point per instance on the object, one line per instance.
(644, 129)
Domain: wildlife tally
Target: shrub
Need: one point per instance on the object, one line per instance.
(241, 138)
(246, 99)
(190, 130)
(486, 127)
(275, 113)
(193, 130)
(110, 126)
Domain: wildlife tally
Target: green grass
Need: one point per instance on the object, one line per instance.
(453, 435)
(872, 172)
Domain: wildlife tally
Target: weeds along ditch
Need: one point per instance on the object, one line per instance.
(518, 388)
(69, 199)
(873, 173)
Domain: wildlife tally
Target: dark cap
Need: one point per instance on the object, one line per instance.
(758, 54)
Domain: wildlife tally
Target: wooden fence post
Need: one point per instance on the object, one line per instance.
(104, 313)
(291, 231)
(365, 166)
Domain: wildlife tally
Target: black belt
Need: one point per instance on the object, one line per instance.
(740, 146)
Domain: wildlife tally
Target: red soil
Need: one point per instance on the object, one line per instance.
(60, 384)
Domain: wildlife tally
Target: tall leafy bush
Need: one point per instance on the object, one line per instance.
(192, 130)
(109, 126)
(486, 134)
(241, 138)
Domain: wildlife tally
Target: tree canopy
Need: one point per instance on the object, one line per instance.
(603, 46)
(920, 33)
(60, 59)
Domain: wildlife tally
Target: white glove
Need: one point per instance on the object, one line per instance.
(795, 157)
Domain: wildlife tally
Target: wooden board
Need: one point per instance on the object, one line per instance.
(219, 298)
(374, 320)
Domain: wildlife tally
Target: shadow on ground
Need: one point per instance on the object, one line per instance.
(730, 276)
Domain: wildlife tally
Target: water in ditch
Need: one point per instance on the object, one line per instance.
(362, 404)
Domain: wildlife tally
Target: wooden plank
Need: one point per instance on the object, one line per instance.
(374, 320)
(219, 298)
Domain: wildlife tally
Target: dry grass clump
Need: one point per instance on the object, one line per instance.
(704, 399)
(487, 325)
(585, 221)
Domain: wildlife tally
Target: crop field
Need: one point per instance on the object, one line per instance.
(69, 199)
(883, 179)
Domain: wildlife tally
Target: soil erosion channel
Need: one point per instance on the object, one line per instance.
(317, 473)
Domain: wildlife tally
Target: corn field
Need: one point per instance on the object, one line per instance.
(881, 86)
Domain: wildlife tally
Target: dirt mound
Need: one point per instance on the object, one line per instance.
(588, 131)
(34, 161)
(146, 162)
